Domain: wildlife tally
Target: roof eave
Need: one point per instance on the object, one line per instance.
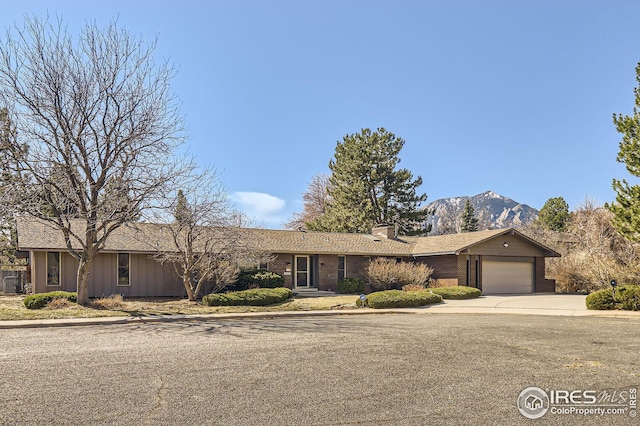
(440, 253)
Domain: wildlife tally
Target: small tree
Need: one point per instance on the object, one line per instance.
(96, 127)
(387, 274)
(468, 219)
(206, 239)
(315, 203)
(554, 215)
(626, 208)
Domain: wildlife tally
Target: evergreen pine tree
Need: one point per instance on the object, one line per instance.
(468, 219)
(626, 208)
(366, 187)
(554, 215)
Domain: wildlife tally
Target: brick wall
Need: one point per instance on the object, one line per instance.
(328, 272)
(543, 285)
(279, 265)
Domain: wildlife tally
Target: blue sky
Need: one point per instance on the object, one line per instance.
(510, 96)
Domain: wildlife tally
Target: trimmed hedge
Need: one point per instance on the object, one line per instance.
(399, 299)
(627, 298)
(261, 279)
(40, 300)
(251, 297)
(457, 292)
(350, 286)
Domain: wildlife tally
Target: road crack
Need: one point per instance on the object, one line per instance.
(160, 397)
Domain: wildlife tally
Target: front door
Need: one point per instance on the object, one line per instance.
(303, 277)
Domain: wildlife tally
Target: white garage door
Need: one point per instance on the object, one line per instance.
(507, 277)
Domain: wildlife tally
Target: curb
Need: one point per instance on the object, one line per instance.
(69, 322)
(432, 309)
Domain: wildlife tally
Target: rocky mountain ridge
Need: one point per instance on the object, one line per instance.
(493, 211)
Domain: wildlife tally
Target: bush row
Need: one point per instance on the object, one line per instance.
(627, 298)
(251, 297)
(258, 279)
(40, 300)
(399, 299)
(350, 286)
(457, 292)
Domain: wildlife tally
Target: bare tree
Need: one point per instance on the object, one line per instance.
(315, 201)
(593, 251)
(207, 242)
(96, 131)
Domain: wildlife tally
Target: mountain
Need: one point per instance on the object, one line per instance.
(492, 210)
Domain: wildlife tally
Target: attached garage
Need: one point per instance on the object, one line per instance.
(495, 261)
(507, 277)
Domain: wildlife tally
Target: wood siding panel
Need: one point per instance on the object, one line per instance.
(69, 273)
(38, 271)
(102, 281)
(151, 278)
(517, 246)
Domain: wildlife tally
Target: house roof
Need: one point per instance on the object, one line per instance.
(457, 243)
(35, 234)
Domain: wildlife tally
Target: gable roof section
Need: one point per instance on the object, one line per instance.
(35, 234)
(457, 243)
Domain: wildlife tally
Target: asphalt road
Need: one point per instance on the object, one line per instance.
(369, 370)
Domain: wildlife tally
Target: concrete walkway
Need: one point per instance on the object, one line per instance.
(535, 304)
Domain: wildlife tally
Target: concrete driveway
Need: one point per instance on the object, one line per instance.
(529, 304)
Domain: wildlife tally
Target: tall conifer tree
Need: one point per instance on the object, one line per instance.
(366, 187)
(626, 208)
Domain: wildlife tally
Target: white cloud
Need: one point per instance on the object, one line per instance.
(265, 209)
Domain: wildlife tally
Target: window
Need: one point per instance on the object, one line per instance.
(263, 266)
(342, 268)
(53, 268)
(123, 269)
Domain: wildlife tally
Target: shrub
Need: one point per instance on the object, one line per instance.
(412, 287)
(387, 274)
(113, 302)
(457, 292)
(627, 298)
(40, 300)
(258, 279)
(251, 297)
(350, 286)
(572, 281)
(59, 303)
(399, 299)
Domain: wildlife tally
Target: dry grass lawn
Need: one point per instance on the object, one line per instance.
(12, 308)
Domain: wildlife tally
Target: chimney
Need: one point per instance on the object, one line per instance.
(384, 231)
